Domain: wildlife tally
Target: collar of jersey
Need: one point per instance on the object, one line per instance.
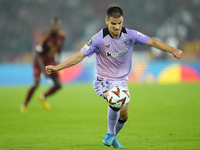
(116, 37)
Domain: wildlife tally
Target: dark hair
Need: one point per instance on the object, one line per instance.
(55, 20)
(114, 11)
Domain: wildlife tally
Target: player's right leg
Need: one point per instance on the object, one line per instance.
(23, 107)
(120, 124)
(44, 103)
(102, 88)
(112, 117)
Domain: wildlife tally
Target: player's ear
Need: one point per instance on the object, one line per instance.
(106, 20)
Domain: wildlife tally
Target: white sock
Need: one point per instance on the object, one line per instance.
(113, 117)
(119, 126)
(42, 97)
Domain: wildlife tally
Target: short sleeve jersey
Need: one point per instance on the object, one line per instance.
(113, 55)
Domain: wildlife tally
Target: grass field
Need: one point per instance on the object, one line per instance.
(162, 117)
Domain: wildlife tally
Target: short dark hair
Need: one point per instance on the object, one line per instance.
(55, 20)
(114, 11)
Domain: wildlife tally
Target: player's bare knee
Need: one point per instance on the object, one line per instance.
(124, 116)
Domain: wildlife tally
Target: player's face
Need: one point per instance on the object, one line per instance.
(55, 27)
(115, 25)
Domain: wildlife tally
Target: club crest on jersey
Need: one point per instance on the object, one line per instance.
(111, 55)
(126, 42)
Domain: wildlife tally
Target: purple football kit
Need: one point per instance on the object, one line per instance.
(113, 57)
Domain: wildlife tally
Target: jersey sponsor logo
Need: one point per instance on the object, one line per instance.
(109, 54)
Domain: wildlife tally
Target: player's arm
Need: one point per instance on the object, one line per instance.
(73, 60)
(40, 63)
(165, 47)
(38, 49)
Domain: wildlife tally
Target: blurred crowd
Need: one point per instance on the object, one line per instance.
(22, 22)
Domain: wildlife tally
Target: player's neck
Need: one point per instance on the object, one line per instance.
(114, 36)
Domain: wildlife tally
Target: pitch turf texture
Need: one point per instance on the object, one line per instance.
(162, 117)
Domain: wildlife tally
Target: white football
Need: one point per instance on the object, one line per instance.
(118, 97)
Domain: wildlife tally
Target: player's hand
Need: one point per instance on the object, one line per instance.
(178, 54)
(50, 69)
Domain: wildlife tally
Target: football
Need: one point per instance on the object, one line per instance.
(118, 97)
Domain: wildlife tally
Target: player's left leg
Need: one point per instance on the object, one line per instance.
(122, 118)
(57, 85)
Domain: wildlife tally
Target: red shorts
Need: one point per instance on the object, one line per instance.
(37, 71)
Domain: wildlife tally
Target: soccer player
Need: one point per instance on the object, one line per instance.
(45, 50)
(113, 47)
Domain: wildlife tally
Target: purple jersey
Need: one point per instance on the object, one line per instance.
(113, 55)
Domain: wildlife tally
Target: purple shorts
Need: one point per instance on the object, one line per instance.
(102, 86)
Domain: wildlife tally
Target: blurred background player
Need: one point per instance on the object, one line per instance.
(46, 49)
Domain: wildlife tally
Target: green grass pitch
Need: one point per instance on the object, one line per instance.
(162, 117)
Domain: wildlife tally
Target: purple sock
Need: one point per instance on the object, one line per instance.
(113, 117)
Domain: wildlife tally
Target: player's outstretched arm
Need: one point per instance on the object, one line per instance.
(165, 47)
(73, 60)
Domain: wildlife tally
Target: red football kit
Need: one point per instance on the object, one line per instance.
(49, 45)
